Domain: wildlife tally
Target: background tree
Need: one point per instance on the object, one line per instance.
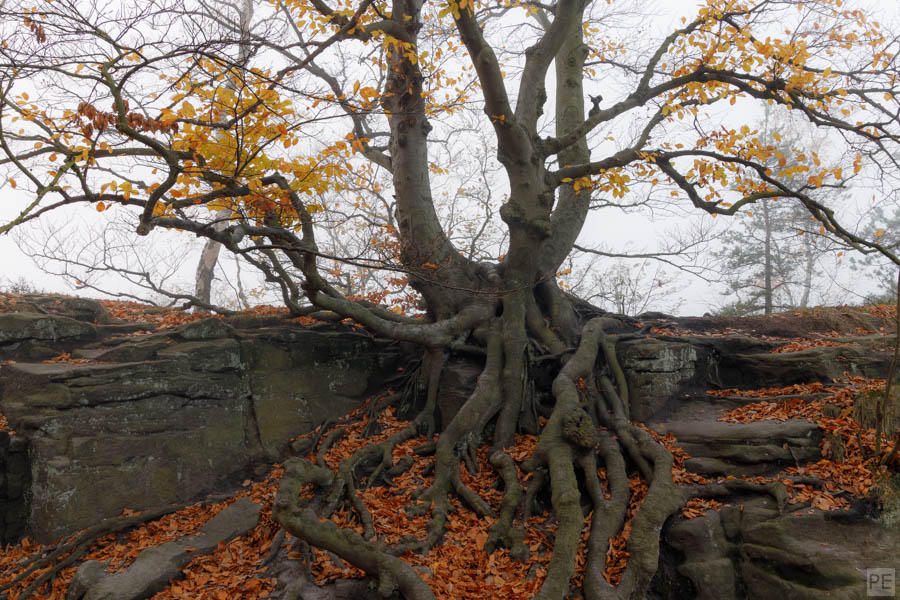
(146, 109)
(773, 257)
(626, 287)
(880, 222)
(209, 256)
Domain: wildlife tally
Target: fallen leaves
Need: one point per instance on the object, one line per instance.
(797, 389)
(670, 331)
(242, 554)
(4, 425)
(162, 317)
(458, 567)
(65, 357)
(888, 311)
(697, 507)
(806, 344)
(853, 474)
(167, 317)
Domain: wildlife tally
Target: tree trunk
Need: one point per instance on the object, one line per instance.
(209, 256)
(767, 259)
(516, 316)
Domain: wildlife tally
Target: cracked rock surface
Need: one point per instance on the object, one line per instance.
(150, 419)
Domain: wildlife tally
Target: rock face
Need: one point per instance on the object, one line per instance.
(14, 484)
(164, 417)
(657, 371)
(752, 551)
(39, 336)
(662, 372)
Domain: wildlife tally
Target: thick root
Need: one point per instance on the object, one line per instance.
(609, 514)
(503, 532)
(567, 434)
(67, 554)
(393, 574)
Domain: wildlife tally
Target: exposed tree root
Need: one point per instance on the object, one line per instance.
(67, 554)
(393, 573)
(470, 421)
(503, 532)
(609, 514)
(565, 460)
(569, 431)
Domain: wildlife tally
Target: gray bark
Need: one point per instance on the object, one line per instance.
(209, 256)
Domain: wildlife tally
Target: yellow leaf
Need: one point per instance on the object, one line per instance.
(125, 188)
(101, 207)
(777, 136)
(879, 232)
(12, 182)
(187, 110)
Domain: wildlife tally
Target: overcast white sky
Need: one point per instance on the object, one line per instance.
(625, 232)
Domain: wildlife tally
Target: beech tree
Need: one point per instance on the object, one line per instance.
(144, 108)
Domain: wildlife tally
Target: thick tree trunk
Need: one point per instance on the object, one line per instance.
(515, 315)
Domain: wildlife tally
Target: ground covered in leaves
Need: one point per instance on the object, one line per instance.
(459, 567)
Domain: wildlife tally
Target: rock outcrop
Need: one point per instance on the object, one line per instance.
(138, 418)
(162, 417)
(752, 550)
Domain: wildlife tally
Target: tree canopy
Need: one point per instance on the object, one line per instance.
(309, 115)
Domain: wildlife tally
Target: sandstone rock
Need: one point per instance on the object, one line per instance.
(204, 329)
(656, 370)
(81, 309)
(19, 327)
(88, 574)
(752, 551)
(152, 570)
(198, 411)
